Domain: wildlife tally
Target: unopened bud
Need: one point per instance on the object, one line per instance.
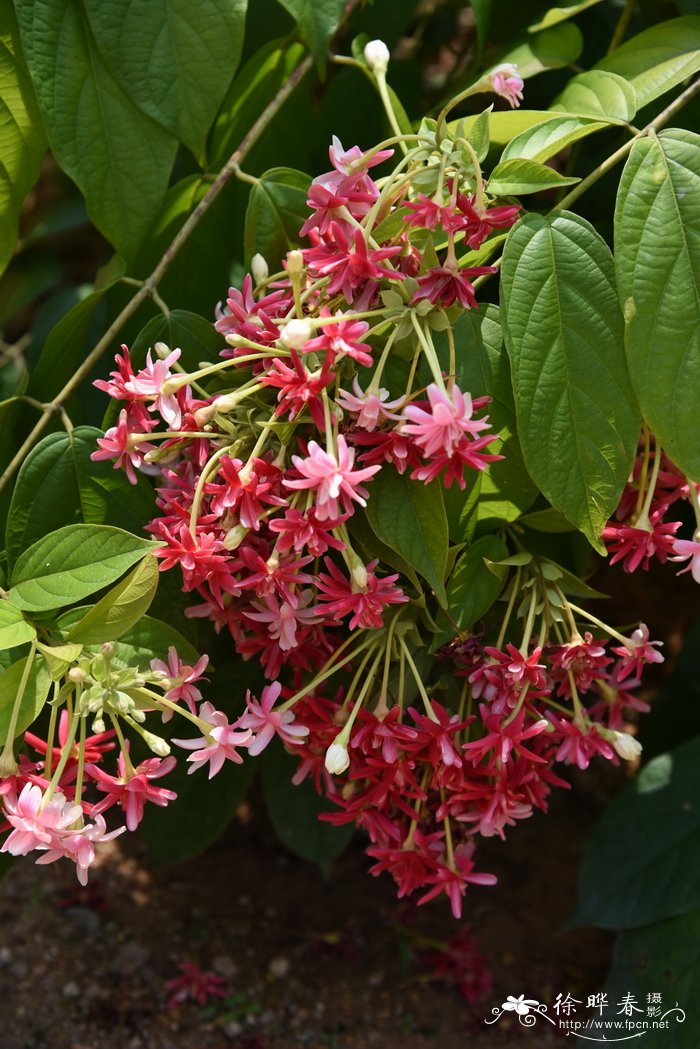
(296, 334)
(98, 726)
(235, 536)
(259, 268)
(295, 262)
(76, 675)
(156, 743)
(8, 765)
(377, 56)
(337, 758)
(226, 402)
(204, 415)
(107, 649)
(161, 350)
(359, 576)
(626, 746)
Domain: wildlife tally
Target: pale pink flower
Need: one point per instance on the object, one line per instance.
(334, 480)
(79, 846)
(506, 82)
(118, 443)
(132, 791)
(37, 827)
(180, 680)
(369, 406)
(149, 383)
(284, 619)
(439, 429)
(218, 745)
(265, 722)
(688, 548)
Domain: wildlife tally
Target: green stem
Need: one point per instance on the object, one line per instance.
(622, 24)
(7, 758)
(419, 683)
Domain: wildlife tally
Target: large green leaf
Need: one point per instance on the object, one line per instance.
(577, 419)
(147, 638)
(662, 958)
(473, 587)
(120, 158)
(483, 369)
(642, 862)
(276, 211)
(317, 20)
(22, 139)
(658, 59)
(410, 518)
(14, 629)
(194, 335)
(517, 177)
(551, 48)
(72, 562)
(120, 609)
(657, 256)
(186, 56)
(252, 89)
(35, 693)
(598, 93)
(294, 812)
(59, 484)
(544, 140)
(560, 14)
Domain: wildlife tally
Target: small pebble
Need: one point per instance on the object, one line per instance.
(278, 967)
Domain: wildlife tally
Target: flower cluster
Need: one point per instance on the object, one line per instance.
(641, 530)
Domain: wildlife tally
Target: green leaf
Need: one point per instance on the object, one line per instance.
(276, 211)
(35, 694)
(599, 94)
(194, 335)
(186, 56)
(549, 520)
(483, 369)
(59, 658)
(22, 139)
(251, 90)
(482, 10)
(70, 563)
(120, 158)
(472, 588)
(664, 957)
(551, 49)
(479, 134)
(658, 59)
(641, 862)
(294, 812)
(577, 419)
(549, 138)
(410, 518)
(503, 124)
(121, 608)
(317, 21)
(58, 484)
(146, 639)
(14, 629)
(516, 177)
(560, 14)
(657, 257)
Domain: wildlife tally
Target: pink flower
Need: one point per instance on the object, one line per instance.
(297, 530)
(38, 825)
(688, 549)
(252, 320)
(438, 430)
(79, 846)
(266, 722)
(180, 680)
(636, 652)
(637, 546)
(131, 791)
(118, 443)
(284, 619)
(149, 382)
(365, 601)
(479, 222)
(504, 80)
(218, 745)
(333, 480)
(353, 161)
(369, 406)
(345, 258)
(341, 339)
(449, 284)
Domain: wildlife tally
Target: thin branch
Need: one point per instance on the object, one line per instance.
(148, 287)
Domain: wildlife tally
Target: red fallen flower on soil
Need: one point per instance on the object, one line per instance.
(461, 963)
(195, 985)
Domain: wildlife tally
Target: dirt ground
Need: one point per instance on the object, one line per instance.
(327, 964)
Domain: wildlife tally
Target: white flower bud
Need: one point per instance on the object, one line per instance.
(156, 743)
(627, 746)
(76, 674)
(235, 536)
(259, 268)
(377, 56)
(296, 334)
(295, 262)
(161, 350)
(337, 758)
